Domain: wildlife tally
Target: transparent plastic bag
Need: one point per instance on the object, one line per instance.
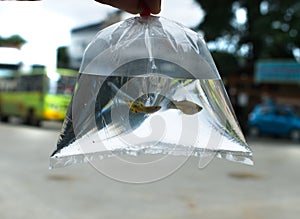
(148, 85)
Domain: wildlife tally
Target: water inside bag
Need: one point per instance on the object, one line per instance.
(114, 128)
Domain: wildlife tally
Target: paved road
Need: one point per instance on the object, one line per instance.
(269, 190)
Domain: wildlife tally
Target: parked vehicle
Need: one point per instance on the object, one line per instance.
(276, 120)
(37, 95)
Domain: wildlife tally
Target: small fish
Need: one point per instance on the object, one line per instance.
(185, 106)
(139, 107)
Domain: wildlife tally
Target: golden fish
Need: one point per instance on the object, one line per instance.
(185, 106)
(139, 107)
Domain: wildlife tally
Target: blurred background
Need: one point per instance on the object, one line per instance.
(256, 47)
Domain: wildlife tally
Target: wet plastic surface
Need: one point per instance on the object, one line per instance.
(148, 85)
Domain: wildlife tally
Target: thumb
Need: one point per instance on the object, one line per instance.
(154, 6)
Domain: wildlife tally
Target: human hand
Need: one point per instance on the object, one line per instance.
(135, 6)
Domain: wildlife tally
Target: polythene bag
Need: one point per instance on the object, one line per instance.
(148, 85)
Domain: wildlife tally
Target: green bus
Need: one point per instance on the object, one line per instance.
(36, 95)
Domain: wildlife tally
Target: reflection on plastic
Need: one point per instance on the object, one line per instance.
(148, 86)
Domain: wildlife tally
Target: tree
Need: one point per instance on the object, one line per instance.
(226, 62)
(63, 59)
(12, 41)
(271, 28)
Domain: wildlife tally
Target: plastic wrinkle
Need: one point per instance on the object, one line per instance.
(240, 157)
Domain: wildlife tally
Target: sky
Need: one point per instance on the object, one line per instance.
(46, 24)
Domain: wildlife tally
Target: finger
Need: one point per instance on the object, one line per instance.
(129, 6)
(153, 5)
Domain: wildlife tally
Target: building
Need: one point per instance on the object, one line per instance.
(278, 80)
(82, 36)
